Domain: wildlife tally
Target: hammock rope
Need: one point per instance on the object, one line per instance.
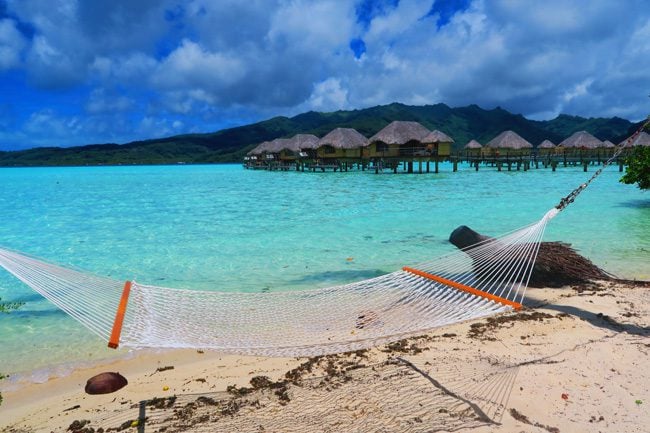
(481, 280)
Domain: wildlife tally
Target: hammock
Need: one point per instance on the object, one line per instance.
(482, 280)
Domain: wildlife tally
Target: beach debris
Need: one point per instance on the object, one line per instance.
(403, 346)
(238, 392)
(76, 406)
(259, 382)
(126, 424)
(165, 388)
(565, 396)
(524, 419)
(161, 369)
(638, 402)
(557, 263)
(161, 402)
(168, 367)
(80, 426)
(482, 330)
(105, 383)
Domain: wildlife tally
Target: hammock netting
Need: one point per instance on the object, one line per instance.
(482, 280)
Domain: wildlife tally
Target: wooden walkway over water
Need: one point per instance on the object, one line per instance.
(432, 165)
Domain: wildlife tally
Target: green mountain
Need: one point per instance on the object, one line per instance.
(230, 145)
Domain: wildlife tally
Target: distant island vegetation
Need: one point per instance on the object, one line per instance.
(230, 145)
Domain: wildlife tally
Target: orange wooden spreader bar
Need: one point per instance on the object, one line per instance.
(463, 287)
(114, 341)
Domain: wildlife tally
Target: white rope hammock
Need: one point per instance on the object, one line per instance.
(484, 279)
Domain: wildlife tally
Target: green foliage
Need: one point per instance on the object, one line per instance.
(5, 307)
(638, 168)
(230, 145)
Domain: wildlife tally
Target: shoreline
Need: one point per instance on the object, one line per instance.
(587, 343)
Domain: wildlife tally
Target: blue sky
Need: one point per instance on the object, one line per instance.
(77, 72)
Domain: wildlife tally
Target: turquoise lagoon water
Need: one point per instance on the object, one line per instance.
(225, 228)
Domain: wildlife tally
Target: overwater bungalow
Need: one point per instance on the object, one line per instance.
(581, 140)
(275, 148)
(606, 149)
(341, 143)
(546, 148)
(255, 158)
(643, 139)
(580, 144)
(509, 143)
(259, 149)
(437, 143)
(473, 149)
(399, 138)
(305, 145)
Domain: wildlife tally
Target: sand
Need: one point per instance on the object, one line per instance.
(575, 360)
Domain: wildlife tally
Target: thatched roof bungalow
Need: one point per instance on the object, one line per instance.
(546, 147)
(276, 147)
(581, 140)
(473, 148)
(258, 150)
(509, 143)
(473, 144)
(396, 139)
(607, 144)
(305, 141)
(438, 143)
(643, 139)
(341, 143)
(298, 146)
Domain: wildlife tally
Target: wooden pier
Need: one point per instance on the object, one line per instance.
(431, 164)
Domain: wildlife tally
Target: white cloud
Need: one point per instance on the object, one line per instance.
(101, 101)
(12, 44)
(328, 95)
(511, 54)
(309, 25)
(48, 122)
(192, 67)
(398, 21)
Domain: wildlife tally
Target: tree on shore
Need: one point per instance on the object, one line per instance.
(638, 165)
(638, 168)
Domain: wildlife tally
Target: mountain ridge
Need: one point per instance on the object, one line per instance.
(230, 145)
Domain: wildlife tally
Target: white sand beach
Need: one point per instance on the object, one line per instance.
(572, 361)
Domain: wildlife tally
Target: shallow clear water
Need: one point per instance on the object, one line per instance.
(225, 228)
